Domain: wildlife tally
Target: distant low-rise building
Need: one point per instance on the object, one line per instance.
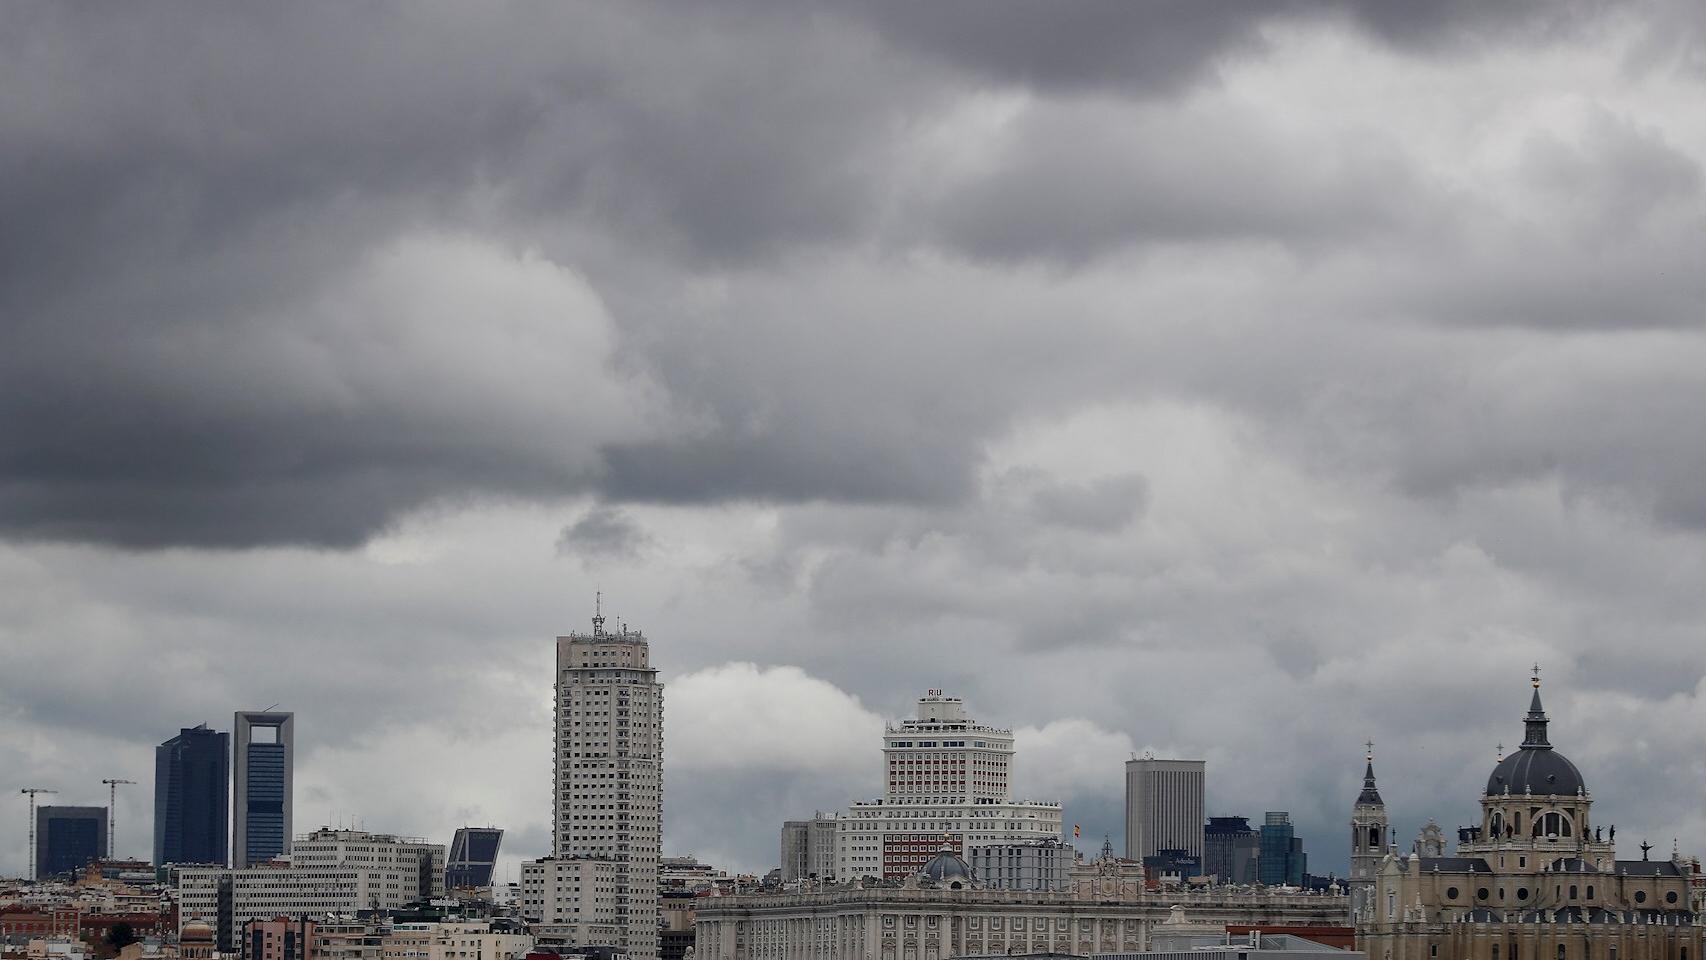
(407, 868)
(1104, 913)
(280, 938)
(332, 873)
(1043, 865)
(573, 898)
(808, 848)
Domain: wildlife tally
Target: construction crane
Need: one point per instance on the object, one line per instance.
(32, 791)
(112, 815)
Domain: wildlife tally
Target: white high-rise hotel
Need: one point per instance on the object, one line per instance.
(608, 801)
(946, 780)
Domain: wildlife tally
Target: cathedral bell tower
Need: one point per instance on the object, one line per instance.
(1368, 840)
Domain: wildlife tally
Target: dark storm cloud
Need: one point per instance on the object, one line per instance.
(181, 186)
(185, 191)
(604, 532)
(1159, 48)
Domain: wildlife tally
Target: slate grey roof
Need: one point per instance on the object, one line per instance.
(1648, 868)
(1454, 865)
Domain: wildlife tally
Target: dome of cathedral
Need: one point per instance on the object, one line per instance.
(1536, 768)
(949, 869)
(195, 930)
(1544, 772)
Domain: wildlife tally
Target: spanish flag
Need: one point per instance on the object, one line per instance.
(1075, 831)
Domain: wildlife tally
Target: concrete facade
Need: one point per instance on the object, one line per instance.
(1043, 866)
(808, 848)
(1163, 807)
(402, 869)
(1104, 916)
(608, 800)
(946, 776)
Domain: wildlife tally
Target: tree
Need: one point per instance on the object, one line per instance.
(120, 936)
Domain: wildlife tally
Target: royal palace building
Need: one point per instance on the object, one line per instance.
(945, 911)
(1537, 879)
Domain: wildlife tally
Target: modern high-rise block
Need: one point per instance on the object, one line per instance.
(69, 837)
(1229, 850)
(1280, 860)
(946, 785)
(262, 759)
(943, 756)
(473, 857)
(609, 771)
(192, 797)
(1163, 807)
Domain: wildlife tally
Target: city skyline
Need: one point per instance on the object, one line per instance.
(1322, 838)
(1234, 381)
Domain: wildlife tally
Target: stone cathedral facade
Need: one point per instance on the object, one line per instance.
(1537, 879)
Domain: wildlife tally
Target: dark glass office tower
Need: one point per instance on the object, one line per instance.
(1280, 860)
(69, 837)
(473, 855)
(192, 795)
(262, 759)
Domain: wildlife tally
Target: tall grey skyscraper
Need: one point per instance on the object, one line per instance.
(262, 760)
(1163, 807)
(192, 797)
(609, 771)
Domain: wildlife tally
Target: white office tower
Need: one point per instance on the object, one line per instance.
(945, 781)
(609, 781)
(1163, 807)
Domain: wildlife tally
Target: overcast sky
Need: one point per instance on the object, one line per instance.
(1237, 380)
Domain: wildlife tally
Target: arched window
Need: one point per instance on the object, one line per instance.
(1495, 951)
(1572, 891)
(1590, 891)
(1561, 955)
(1496, 825)
(1374, 837)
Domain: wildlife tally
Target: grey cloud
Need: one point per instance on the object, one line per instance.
(1076, 182)
(1107, 504)
(604, 532)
